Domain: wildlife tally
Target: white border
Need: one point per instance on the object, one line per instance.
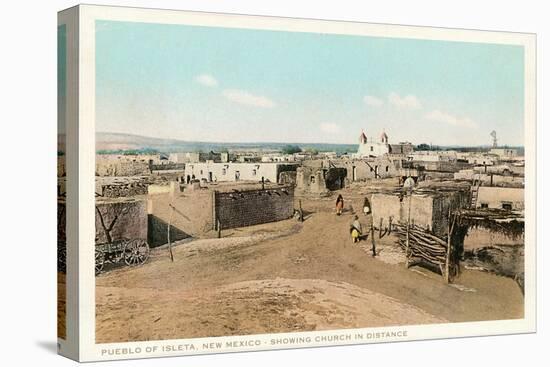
(89, 351)
(69, 346)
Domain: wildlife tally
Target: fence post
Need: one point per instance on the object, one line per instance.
(450, 229)
(372, 237)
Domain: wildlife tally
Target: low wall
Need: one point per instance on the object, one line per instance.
(124, 190)
(481, 237)
(125, 218)
(251, 207)
(192, 215)
(108, 167)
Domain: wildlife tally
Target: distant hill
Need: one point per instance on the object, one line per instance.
(119, 142)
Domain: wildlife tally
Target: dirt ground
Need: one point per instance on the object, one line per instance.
(288, 276)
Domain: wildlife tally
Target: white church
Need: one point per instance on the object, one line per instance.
(378, 147)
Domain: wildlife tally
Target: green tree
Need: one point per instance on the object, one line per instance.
(291, 149)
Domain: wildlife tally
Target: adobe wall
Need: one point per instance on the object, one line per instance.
(287, 178)
(479, 237)
(494, 197)
(124, 190)
(310, 179)
(192, 215)
(108, 167)
(427, 211)
(130, 223)
(251, 207)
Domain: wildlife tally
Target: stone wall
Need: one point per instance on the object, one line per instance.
(126, 218)
(121, 167)
(251, 207)
(124, 190)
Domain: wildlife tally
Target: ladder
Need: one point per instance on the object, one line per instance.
(474, 192)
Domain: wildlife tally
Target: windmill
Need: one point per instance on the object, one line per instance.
(494, 136)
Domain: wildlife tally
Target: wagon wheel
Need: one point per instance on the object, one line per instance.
(136, 252)
(99, 261)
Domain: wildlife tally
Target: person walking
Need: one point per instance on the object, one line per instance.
(356, 229)
(366, 206)
(339, 205)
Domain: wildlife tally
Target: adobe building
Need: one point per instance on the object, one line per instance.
(197, 212)
(428, 208)
(370, 168)
(235, 171)
(507, 198)
(196, 157)
(505, 153)
(320, 179)
(378, 147)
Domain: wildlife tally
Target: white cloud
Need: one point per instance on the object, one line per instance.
(408, 101)
(329, 128)
(373, 101)
(206, 80)
(246, 98)
(449, 119)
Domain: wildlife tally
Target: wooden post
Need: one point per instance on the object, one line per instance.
(301, 211)
(389, 224)
(372, 237)
(450, 229)
(380, 227)
(168, 232)
(219, 225)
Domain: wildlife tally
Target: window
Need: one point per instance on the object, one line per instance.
(224, 171)
(254, 172)
(387, 168)
(506, 205)
(484, 205)
(371, 149)
(201, 171)
(312, 179)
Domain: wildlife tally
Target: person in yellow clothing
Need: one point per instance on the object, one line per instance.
(356, 230)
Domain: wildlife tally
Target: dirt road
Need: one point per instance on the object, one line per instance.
(286, 276)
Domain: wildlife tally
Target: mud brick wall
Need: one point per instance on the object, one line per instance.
(287, 178)
(247, 208)
(124, 190)
(105, 167)
(427, 211)
(129, 218)
(191, 215)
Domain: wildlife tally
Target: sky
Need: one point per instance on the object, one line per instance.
(237, 85)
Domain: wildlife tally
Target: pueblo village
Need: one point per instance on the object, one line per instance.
(250, 239)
